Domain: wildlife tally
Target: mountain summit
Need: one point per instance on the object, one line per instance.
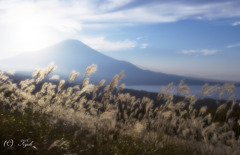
(71, 55)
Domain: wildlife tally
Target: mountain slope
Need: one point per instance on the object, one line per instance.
(74, 55)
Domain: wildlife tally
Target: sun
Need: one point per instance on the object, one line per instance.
(30, 38)
(31, 31)
(28, 30)
(28, 26)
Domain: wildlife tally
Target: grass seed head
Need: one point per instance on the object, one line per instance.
(91, 69)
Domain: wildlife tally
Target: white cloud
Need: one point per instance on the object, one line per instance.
(38, 23)
(41, 13)
(144, 45)
(67, 15)
(171, 11)
(112, 4)
(201, 51)
(101, 44)
(236, 23)
(233, 45)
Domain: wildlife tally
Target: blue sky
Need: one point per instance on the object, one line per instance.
(187, 37)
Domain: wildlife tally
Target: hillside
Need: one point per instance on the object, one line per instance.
(71, 55)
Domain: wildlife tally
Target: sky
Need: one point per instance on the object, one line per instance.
(199, 38)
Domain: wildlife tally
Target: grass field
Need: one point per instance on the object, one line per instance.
(39, 117)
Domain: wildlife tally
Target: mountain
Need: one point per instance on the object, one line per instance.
(71, 55)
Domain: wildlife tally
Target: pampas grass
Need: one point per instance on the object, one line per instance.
(73, 76)
(54, 77)
(60, 86)
(87, 119)
(182, 88)
(91, 69)
(10, 72)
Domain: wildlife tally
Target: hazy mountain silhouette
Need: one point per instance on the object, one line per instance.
(71, 55)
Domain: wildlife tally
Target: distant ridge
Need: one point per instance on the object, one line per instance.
(72, 54)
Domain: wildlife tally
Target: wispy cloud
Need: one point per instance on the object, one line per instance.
(101, 44)
(70, 16)
(199, 52)
(236, 23)
(144, 45)
(76, 13)
(40, 13)
(67, 19)
(233, 45)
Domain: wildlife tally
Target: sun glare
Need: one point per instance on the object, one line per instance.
(28, 30)
(30, 37)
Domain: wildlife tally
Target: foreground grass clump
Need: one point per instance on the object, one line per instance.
(61, 138)
(99, 119)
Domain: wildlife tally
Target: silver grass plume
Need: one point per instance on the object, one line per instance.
(50, 88)
(169, 86)
(207, 90)
(139, 127)
(3, 77)
(59, 143)
(221, 108)
(203, 110)
(106, 88)
(121, 87)
(76, 87)
(183, 88)
(167, 114)
(91, 69)
(10, 72)
(73, 76)
(204, 89)
(54, 77)
(192, 98)
(50, 68)
(85, 82)
(26, 83)
(87, 89)
(44, 86)
(209, 118)
(168, 89)
(30, 89)
(101, 83)
(180, 105)
(160, 93)
(227, 86)
(69, 91)
(60, 86)
(115, 81)
(35, 72)
(231, 109)
(231, 98)
(121, 75)
(40, 74)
